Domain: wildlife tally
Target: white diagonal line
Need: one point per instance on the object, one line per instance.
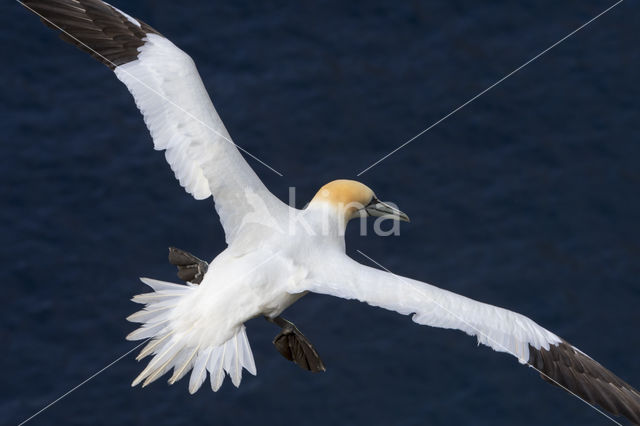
(492, 340)
(491, 87)
(156, 92)
(82, 383)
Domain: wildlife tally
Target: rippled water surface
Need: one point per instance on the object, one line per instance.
(527, 198)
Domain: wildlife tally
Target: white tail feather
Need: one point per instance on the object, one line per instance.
(216, 371)
(173, 349)
(151, 346)
(183, 365)
(150, 316)
(148, 330)
(199, 373)
(162, 285)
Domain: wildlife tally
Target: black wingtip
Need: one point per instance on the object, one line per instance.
(94, 27)
(565, 366)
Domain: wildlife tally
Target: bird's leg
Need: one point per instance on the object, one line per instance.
(190, 268)
(294, 346)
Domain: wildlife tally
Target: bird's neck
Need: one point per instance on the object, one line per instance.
(325, 220)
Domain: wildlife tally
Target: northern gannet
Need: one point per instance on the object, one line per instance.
(276, 254)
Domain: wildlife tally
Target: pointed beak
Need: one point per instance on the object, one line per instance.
(379, 209)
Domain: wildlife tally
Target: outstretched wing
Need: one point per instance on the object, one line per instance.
(505, 331)
(168, 91)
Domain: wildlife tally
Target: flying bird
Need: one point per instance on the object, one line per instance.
(275, 253)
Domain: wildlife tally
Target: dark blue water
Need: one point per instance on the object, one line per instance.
(527, 198)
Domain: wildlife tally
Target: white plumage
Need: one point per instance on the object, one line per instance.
(200, 328)
(275, 253)
(176, 344)
(183, 122)
(501, 329)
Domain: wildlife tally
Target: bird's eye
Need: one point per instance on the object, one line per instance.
(373, 201)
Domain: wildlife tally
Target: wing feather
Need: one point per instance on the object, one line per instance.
(175, 105)
(557, 361)
(498, 328)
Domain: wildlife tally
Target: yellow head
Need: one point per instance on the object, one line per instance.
(350, 197)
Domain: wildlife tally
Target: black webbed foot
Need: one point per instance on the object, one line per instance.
(190, 268)
(294, 346)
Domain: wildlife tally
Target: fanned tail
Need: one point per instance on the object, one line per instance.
(172, 348)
